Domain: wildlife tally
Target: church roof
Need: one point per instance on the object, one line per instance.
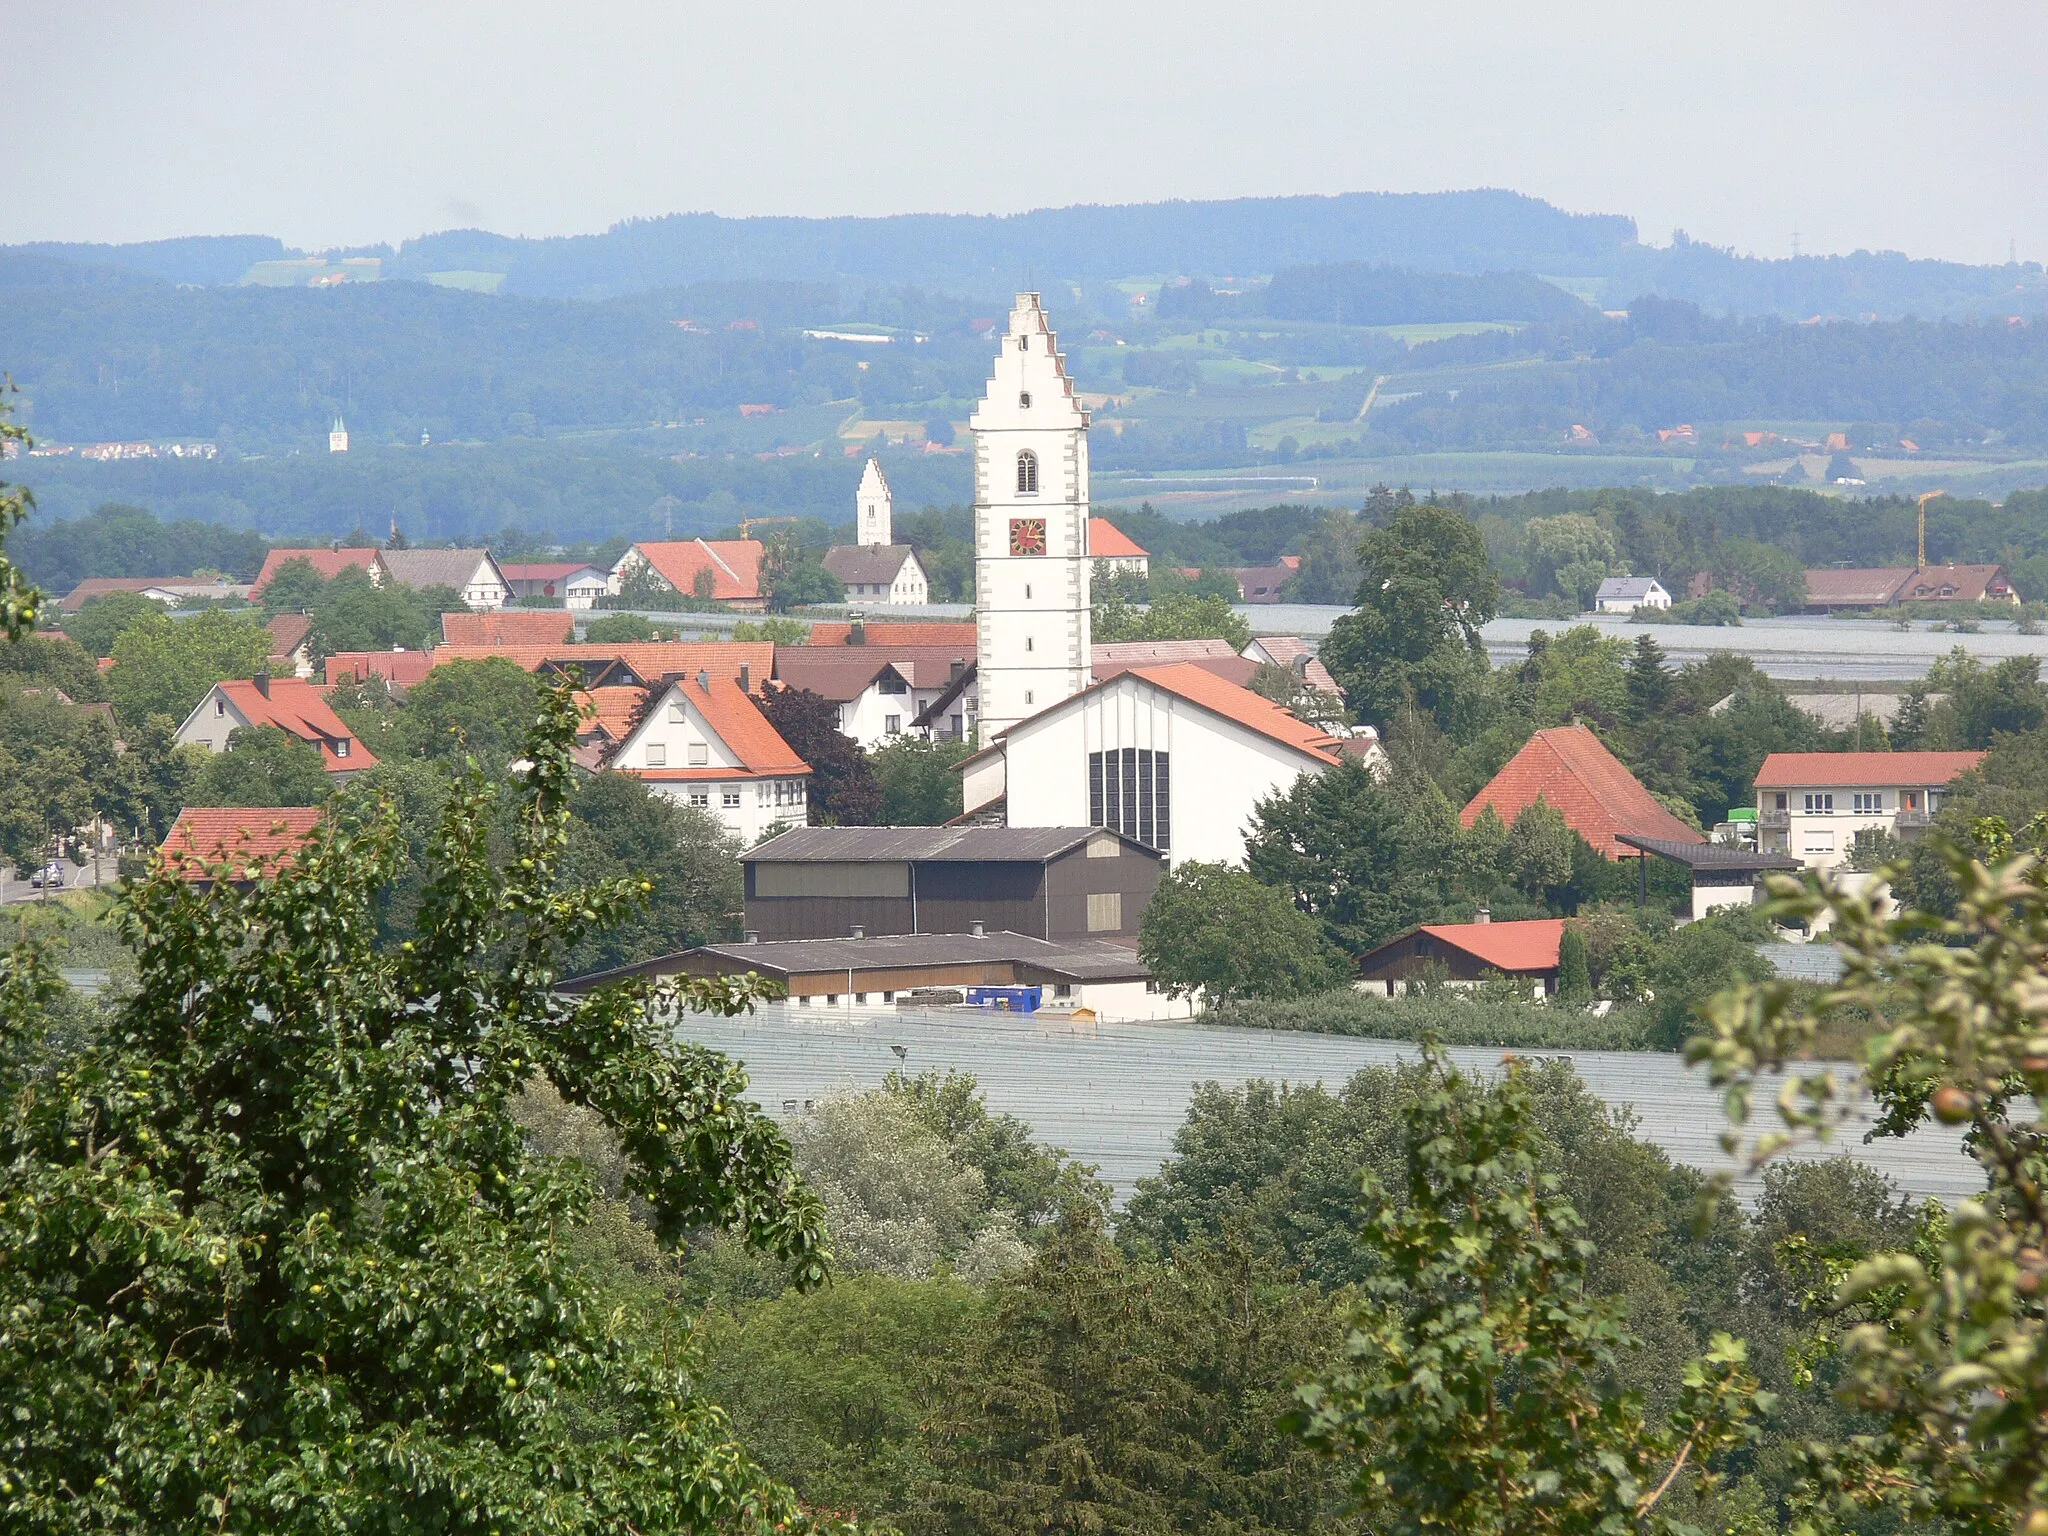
(874, 564)
(1195, 684)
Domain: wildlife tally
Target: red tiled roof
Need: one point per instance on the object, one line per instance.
(251, 842)
(295, 706)
(401, 667)
(650, 658)
(735, 565)
(611, 709)
(1122, 655)
(1872, 587)
(1106, 541)
(840, 673)
(1526, 945)
(1870, 770)
(100, 586)
(288, 631)
(1955, 583)
(737, 722)
(1571, 769)
(509, 626)
(930, 632)
(326, 563)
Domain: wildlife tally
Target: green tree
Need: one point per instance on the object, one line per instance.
(1476, 1390)
(20, 603)
(1649, 683)
(262, 767)
(776, 631)
(1030, 1183)
(41, 661)
(1425, 586)
(479, 708)
(1329, 561)
(279, 1256)
(44, 800)
(294, 587)
(619, 629)
(843, 790)
(165, 666)
(1183, 616)
(352, 613)
(919, 786)
(1539, 849)
(1566, 551)
(792, 577)
(1574, 974)
(685, 854)
(1214, 929)
(1943, 1344)
(103, 620)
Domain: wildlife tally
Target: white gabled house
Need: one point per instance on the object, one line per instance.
(1625, 594)
(701, 741)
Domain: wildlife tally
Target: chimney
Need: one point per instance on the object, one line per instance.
(262, 682)
(857, 629)
(750, 935)
(860, 931)
(978, 929)
(704, 680)
(746, 678)
(1485, 915)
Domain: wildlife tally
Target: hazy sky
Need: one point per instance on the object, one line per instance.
(1918, 127)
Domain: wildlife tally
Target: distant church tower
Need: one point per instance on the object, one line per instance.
(1031, 561)
(337, 440)
(871, 518)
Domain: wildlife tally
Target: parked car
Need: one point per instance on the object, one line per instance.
(49, 877)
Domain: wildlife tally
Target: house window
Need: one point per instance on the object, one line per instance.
(220, 706)
(701, 799)
(341, 747)
(700, 755)
(893, 683)
(1867, 804)
(1027, 473)
(1909, 799)
(892, 725)
(730, 797)
(657, 754)
(1818, 842)
(1105, 911)
(1063, 989)
(1781, 803)
(1130, 790)
(1820, 805)
(1023, 343)
(677, 714)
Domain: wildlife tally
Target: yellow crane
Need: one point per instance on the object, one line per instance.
(1923, 526)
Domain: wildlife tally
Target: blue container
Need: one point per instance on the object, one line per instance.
(1006, 999)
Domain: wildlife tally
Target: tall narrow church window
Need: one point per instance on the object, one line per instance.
(1130, 791)
(1027, 473)
(1023, 343)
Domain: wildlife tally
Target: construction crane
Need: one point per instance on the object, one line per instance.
(1923, 526)
(749, 524)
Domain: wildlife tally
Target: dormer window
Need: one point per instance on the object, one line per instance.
(341, 747)
(1027, 473)
(1024, 400)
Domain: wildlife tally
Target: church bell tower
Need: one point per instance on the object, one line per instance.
(1031, 562)
(872, 507)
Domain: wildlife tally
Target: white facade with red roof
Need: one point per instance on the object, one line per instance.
(702, 742)
(291, 704)
(1173, 756)
(1811, 805)
(722, 570)
(1115, 551)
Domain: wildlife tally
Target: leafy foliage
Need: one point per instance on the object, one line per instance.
(919, 786)
(164, 666)
(843, 790)
(1212, 929)
(1475, 1390)
(262, 767)
(280, 1258)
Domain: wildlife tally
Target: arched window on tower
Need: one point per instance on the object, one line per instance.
(1027, 473)
(1024, 400)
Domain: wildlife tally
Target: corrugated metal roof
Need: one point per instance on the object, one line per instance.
(1074, 959)
(1708, 855)
(1804, 962)
(958, 845)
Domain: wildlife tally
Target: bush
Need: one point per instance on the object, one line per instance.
(1452, 1018)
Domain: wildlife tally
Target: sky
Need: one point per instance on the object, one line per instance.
(1916, 127)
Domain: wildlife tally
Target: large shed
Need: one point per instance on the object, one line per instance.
(1051, 883)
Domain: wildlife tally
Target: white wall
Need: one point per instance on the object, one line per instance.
(211, 723)
(676, 738)
(1822, 839)
(866, 716)
(1218, 770)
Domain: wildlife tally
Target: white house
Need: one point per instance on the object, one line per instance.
(702, 741)
(1811, 805)
(883, 575)
(1114, 551)
(1031, 558)
(291, 704)
(1172, 756)
(886, 693)
(568, 582)
(1625, 594)
(472, 572)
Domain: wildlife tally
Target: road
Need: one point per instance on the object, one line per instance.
(1115, 1094)
(13, 889)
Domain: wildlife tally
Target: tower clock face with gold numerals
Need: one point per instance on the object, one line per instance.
(1027, 535)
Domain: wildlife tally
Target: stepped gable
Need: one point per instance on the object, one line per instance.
(1571, 769)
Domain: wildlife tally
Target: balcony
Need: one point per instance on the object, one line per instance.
(1909, 822)
(1774, 821)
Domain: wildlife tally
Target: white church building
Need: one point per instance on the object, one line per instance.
(874, 570)
(1171, 755)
